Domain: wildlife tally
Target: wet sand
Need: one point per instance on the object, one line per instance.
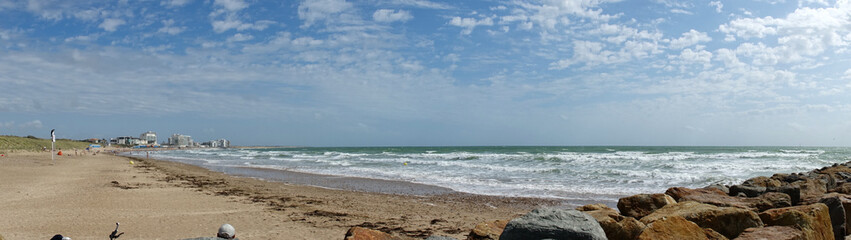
(83, 196)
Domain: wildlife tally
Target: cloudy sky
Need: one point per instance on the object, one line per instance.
(429, 72)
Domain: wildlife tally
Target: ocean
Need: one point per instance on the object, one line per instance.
(572, 174)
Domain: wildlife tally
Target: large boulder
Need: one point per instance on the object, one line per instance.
(552, 223)
(713, 197)
(677, 228)
(435, 237)
(640, 205)
(615, 226)
(729, 221)
(763, 181)
(844, 188)
(837, 214)
(748, 191)
(771, 233)
(487, 230)
(678, 192)
(813, 220)
(359, 233)
(811, 189)
(794, 192)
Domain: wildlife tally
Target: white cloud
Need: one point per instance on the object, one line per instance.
(175, 3)
(32, 124)
(111, 24)
(169, 28)
(231, 5)
(468, 24)
(239, 37)
(389, 15)
(750, 27)
(717, 4)
(847, 75)
(418, 3)
(312, 11)
(700, 56)
(690, 38)
(681, 11)
(230, 22)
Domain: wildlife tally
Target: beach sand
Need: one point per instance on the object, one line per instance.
(83, 196)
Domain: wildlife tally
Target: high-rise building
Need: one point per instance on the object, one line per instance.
(149, 137)
(180, 140)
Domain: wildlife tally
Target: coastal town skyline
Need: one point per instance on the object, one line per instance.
(431, 73)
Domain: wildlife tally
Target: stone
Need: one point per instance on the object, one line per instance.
(640, 205)
(837, 214)
(359, 233)
(762, 181)
(811, 190)
(761, 203)
(713, 235)
(435, 237)
(844, 188)
(591, 207)
(729, 221)
(771, 233)
(678, 192)
(553, 223)
(487, 230)
(674, 228)
(615, 225)
(794, 192)
(721, 187)
(749, 191)
(813, 220)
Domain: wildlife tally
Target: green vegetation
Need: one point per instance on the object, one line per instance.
(30, 143)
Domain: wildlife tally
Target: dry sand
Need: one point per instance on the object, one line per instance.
(83, 196)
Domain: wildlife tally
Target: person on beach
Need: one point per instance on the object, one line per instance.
(59, 237)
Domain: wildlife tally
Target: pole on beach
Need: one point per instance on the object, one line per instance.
(53, 137)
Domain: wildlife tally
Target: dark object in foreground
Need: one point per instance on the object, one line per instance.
(114, 235)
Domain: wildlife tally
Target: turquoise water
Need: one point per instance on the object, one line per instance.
(570, 173)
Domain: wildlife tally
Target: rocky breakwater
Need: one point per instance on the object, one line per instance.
(815, 205)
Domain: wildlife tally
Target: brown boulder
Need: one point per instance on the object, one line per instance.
(359, 233)
(614, 225)
(772, 233)
(813, 220)
(811, 189)
(640, 205)
(844, 188)
(678, 192)
(729, 221)
(764, 202)
(762, 181)
(487, 230)
(676, 228)
(592, 207)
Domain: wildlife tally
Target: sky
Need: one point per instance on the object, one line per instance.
(429, 72)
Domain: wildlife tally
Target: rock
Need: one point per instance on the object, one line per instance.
(749, 191)
(615, 225)
(723, 188)
(729, 221)
(762, 181)
(761, 203)
(678, 192)
(844, 188)
(837, 214)
(813, 220)
(552, 223)
(359, 233)
(713, 235)
(640, 205)
(674, 228)
(592, 207)
(794, 192)
(440, 238)
(487, 230)
(811, 190)
(772, 233)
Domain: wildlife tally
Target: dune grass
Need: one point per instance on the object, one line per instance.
(14, 143)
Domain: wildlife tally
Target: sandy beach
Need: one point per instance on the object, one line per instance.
(83, 196)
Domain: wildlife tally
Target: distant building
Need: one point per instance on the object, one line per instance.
(179, 140)
(149, 137)
(221, 143)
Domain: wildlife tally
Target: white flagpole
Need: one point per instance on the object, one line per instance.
(52, 136)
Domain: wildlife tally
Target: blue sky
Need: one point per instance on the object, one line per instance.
(427, 72)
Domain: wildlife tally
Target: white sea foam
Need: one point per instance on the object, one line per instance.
(554, 172)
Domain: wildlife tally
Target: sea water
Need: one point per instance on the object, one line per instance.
(569, 173)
